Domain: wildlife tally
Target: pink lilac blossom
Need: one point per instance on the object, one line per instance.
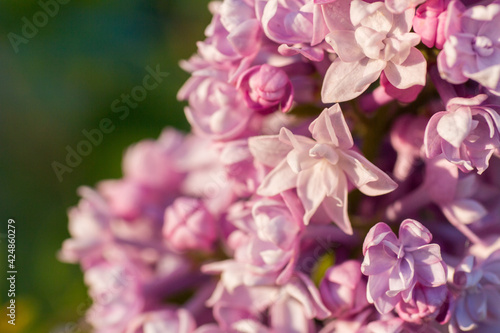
(252, 221)
(394, 266)
(472, 47)
(373, 41)
(319, 168)
(467, 133)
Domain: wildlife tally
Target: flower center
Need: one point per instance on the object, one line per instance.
(321, 150)
(482, 45)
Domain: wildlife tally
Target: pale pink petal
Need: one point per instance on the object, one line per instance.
(455, 126)
(336, 206)
(311, 190)
(268, 149)
(345, 81)
(330, 126)
(364, 175)
(280, 179)
(410, 73)
(345, 46)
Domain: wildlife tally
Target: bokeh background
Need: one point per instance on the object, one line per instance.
(60, 82)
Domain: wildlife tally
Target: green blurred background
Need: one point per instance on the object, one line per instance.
(60, 82)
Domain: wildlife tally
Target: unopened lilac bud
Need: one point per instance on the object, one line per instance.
(266, 89)
(189, 225)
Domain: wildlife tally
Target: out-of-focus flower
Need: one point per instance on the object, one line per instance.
(371, 41)
(478, 290)
(343, 290)
(407, 138)
(319, 168)
(394, 266)
(115, 289)
(163, 321)
(472, 47)
(189, 225)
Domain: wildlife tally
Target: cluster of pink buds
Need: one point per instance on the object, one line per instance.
(342, 175)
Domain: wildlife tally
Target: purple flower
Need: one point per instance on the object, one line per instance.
(477, 287)
(467, 133)
(189, 225)
(472, 47)
(319, 168)
(266, 89)
(394, 266)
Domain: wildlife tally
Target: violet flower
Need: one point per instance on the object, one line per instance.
(394, 266)
(467, 133)
(472, 47)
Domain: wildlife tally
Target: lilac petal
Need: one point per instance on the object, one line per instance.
(378, 233)
(364, 175)
(464, 320)
(345, 45)
(441, 179)
(336, 15)
(268, 149)
(430, 269)
(413, 234)
(280, 179)
(465, 210)
(376, 293)
(455, 126)
(331, 126)
(410, 73)
(476, 304)
(401, 277)
(377, 261)
(336, 206)
(311, 190)
(432, 140)
(305, 292)
(347, 80)
(363, 13)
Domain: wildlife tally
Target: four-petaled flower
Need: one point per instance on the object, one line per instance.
(394, 266)
(320, 168)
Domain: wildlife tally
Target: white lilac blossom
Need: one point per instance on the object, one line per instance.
(254, 221)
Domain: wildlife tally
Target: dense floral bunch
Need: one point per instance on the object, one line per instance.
(253, 222)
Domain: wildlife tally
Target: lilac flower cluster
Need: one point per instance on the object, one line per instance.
(267, 216)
